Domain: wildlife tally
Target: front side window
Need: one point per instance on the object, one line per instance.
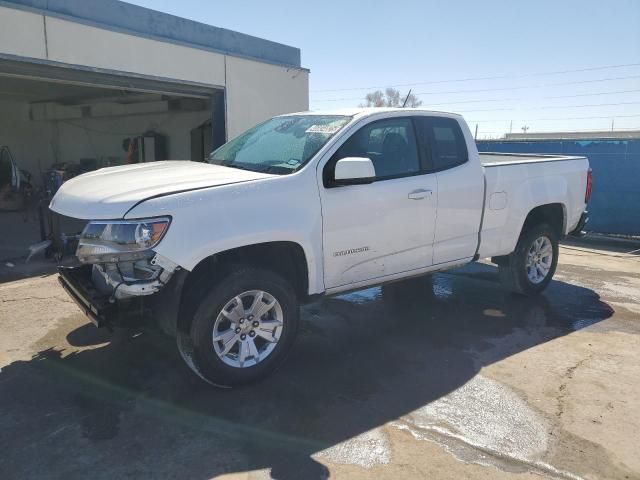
(390, 144)
(280, 145)
(443, 141)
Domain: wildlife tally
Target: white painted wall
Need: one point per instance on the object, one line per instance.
(79, 44)
(21, 33)
(257, 91)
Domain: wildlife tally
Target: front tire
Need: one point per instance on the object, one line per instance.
(530, 268)
(243, 328)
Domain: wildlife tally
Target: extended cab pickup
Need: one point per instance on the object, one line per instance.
(221, 254)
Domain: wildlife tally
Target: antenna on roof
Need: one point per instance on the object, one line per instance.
(407, 98)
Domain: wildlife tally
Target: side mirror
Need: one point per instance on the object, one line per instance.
(354, 171)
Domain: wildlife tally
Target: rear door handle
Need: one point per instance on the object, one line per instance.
(419, 194)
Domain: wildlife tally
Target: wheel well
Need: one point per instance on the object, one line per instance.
(552, 213)
(284, 258)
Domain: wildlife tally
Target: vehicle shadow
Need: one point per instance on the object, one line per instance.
(127, 406)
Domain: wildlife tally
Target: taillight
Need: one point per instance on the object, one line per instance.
(587, 193)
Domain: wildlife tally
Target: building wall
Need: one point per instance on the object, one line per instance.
(257, 91)
(21, 33)
(615, 203)
(125, 17)
(78, 44)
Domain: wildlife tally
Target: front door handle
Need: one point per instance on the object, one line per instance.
(419, 194)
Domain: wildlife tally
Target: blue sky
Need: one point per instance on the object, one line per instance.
(354, 45)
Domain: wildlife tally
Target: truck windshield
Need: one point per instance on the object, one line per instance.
(280, 145)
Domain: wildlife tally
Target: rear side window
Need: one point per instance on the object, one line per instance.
(443, 143)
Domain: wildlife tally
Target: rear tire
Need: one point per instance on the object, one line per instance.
(530, 268)
(227, 344)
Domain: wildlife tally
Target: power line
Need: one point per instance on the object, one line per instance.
(593, 94)
(552, 119)
(497, 77)
(544, 107)
(579, 82)
(470, 79)
(551, 107)
(516, 99)
(548, 107)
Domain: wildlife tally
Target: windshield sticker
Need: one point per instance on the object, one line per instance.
(326, 129)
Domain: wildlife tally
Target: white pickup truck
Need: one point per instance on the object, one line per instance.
(221, 254)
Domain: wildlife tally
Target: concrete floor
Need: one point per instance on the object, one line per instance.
(466, 382)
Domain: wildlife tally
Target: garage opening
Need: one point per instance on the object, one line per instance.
(56, 124)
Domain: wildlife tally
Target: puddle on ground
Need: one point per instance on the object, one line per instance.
(486, 423)
(362, 296)
(366, 450)
(482, 422)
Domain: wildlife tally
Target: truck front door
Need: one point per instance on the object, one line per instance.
(385, 227)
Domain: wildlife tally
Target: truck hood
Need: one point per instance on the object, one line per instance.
(109, 193)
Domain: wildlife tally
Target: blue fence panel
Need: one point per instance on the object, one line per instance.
(615, 204)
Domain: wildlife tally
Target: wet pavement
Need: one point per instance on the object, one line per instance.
(457, 379)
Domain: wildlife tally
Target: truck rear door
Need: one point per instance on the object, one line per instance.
(452, 156)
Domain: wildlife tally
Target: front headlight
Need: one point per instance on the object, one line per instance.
(121, 240)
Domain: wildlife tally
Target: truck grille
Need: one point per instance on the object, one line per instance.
(64, 232)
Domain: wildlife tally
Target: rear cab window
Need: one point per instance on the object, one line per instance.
(442, 143)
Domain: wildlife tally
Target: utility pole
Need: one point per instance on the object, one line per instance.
(511, 127)
(612, 123)
(475, 137)
(525, 128)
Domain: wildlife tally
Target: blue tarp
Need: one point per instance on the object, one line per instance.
(615, 204)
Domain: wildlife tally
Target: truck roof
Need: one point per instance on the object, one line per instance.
(366, 111)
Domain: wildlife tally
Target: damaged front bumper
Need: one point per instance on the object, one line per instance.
(133, 279)
(110, 296)
(78, 284)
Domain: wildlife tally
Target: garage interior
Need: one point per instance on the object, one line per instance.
(56, 123)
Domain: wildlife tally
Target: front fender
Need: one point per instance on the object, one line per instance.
(211, 221)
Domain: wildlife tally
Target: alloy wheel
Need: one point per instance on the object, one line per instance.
(248, 328)
(539, 259)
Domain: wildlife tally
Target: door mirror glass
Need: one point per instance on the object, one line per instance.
(354, 171)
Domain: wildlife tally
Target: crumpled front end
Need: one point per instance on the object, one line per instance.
(132, 279)
(121, 279)
(126, 293)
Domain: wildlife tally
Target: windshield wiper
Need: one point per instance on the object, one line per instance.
(238, 166)
(276, 169)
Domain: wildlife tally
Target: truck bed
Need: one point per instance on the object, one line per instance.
(494, 159)
(514, 182)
